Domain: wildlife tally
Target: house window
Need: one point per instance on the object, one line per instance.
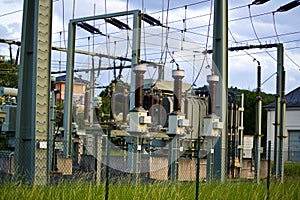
(294, 145)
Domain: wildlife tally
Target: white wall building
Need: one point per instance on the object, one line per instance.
(292, 129)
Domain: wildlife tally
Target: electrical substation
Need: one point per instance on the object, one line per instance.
(159, 127)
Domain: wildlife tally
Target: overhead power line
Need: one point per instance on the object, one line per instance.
(275, 29)
(10, 13)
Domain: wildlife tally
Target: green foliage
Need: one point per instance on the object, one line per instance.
(120, 86)
(2, 141)
(8, 75)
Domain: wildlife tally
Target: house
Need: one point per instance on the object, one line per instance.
(79, 89)
(292, 130)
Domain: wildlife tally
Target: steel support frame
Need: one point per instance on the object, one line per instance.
(220, 58)
(281, 104)
(32, 123)
(70, 71)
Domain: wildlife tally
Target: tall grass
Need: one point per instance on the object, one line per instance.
(154, 191)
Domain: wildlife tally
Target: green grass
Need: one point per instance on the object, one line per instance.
(288, 190)
(157, 191)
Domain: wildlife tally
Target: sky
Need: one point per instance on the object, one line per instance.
(183, 47)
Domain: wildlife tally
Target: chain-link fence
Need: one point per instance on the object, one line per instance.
(89, 162)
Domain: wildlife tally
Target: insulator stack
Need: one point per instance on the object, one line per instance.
(213, 80)
(178, 76)
(139, 71)
(283, 85)
(277, 84)
(258, 80)
(112, 102)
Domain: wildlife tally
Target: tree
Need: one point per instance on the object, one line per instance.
(106, 98)
(8, 74)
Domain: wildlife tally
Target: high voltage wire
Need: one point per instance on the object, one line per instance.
(237, 42)
(121, 40)
(188, 5)
(178, 7)
(253, 28)
(275, 29)
(240, 41)
(13, 12)
(270, 36)
(202, 26)
(252, 24)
